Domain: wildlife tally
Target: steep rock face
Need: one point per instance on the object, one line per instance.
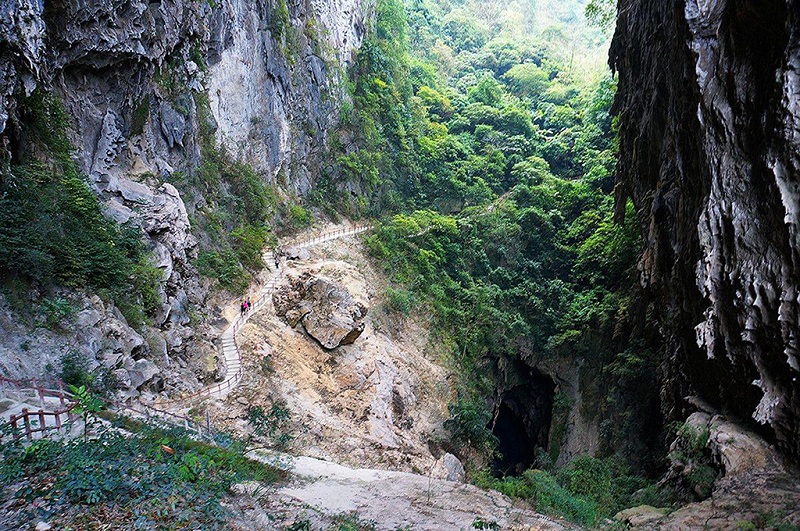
(710, 155)
(142, 81)
(272, 114)
(97, 333)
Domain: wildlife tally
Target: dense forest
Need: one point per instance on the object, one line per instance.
(573, 258)
(485, 135)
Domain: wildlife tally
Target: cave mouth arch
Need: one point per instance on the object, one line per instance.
(522, 424)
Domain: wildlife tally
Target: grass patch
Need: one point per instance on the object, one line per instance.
(584, 491)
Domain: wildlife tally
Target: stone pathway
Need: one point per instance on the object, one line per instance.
(21, 401)
(230, 350)
(320, 490)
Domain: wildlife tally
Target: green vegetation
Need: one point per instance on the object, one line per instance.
(139, 118)
(153, 478)
(602, 13)
(586, 490)
(692, 454)
(52, 228)
(88, 405)
(272, 425)
(235, 223)
(76, 372)
(283, 31)
(484, 137)
(56, 310)
(342, 522)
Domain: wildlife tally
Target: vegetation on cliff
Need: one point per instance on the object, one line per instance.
(491, 147)
(53, 229)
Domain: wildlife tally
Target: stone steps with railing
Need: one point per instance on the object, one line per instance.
(56, 404)
(229, 347)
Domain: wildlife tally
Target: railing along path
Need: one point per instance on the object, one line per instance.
(230, 348)
(34, 424)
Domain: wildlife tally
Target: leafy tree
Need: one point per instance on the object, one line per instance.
(602, 13)
(88, 406)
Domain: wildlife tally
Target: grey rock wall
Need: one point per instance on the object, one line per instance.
(133, 75)
(709, 107)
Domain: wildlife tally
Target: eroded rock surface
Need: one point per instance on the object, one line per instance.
(379, 402)
(97, 336)
(327, 310)
(710, 156)
(391, 500)
(144, 85)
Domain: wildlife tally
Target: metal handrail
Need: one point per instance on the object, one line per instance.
(266, 290)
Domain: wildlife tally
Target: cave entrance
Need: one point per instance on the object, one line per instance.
(522, 424)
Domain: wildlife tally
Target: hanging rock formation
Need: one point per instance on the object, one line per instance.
(709, 109)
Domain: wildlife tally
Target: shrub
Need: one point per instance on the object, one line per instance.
(553, 498)
(55, 310)
(249, 242)
(400, 300)
(272, 425)
(299, 217)
(543, 491)
(468, 425)
(591, 478)
(139, 117)
(152, 478)
(692, 453)
(75, 369)
(225, 268)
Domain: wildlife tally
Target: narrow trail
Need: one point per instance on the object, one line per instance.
(393, 500)
(230, 349)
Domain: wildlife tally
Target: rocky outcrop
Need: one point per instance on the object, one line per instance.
(320, 491)
(326, 309)
(275, 93)
(95, 338)
(448, 468)
(736, 450)
(752, 488)
(379, 402)
(145, 84)
(710, 156)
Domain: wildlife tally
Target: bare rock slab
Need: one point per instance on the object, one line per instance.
(325, 307)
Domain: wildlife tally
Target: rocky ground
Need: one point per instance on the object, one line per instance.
(758, 489)
(377, 399)
(322, 492)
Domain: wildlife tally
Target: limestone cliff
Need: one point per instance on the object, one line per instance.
(143, 81)
(710, 155)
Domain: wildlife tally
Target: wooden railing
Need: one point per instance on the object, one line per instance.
(35, 422)
(29, 423)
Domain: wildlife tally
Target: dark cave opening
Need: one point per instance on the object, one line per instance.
(522, 424)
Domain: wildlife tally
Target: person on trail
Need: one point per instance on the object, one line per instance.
(277, 256)
(249, 304)
(244, 307)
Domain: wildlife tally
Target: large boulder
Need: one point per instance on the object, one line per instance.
(734, 448)
(326, 309)
(449, 468)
